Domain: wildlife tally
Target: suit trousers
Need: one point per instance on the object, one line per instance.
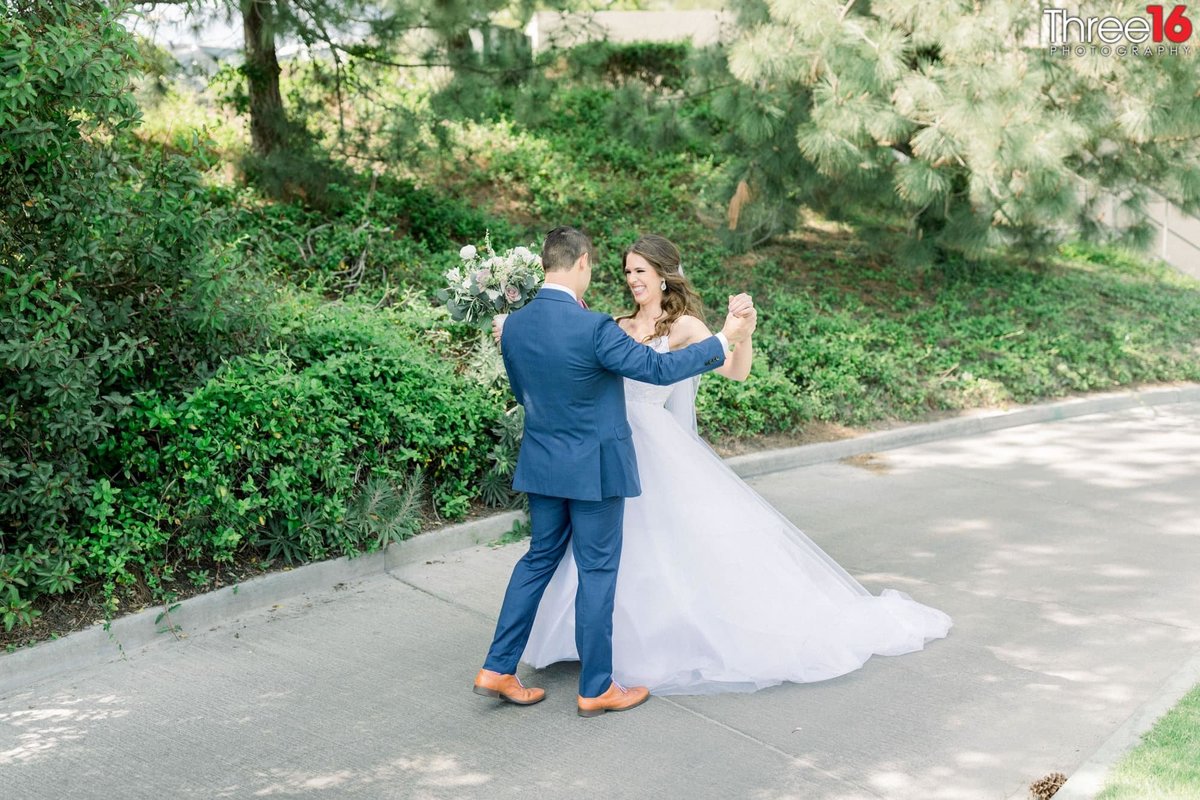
(593, 530)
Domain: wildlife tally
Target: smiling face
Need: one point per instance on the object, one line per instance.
(642, 280)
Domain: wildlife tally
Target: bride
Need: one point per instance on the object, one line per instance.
(717, 591)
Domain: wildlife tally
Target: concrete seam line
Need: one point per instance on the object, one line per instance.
(467, 609)
(794, 759)
(1088, 779)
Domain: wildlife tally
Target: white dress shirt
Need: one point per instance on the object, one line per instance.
(561, 288)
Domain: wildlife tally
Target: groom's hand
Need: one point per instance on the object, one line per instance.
(738, 329)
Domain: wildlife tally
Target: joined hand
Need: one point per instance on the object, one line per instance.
(741, 305)
(741, 320)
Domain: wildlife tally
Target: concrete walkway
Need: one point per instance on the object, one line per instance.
(1066, 552)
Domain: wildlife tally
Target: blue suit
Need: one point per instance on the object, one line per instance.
(577, 464)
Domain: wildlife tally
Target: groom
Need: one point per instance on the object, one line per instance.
(577, 462)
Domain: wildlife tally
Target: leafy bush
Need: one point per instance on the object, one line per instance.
(112, 278)
(864, 344)
(767, 402)
(309, 451)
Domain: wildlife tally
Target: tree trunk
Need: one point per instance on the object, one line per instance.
(267, 120)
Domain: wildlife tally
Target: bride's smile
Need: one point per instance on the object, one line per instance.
(642, 280)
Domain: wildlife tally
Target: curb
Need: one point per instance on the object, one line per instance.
(755, 464)
(1088, 780)
(95, 645)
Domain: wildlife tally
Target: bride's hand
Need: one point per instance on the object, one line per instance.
(498, 326)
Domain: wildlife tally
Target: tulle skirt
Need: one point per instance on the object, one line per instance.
(718, 592)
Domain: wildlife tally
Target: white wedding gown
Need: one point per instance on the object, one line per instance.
(717, 591)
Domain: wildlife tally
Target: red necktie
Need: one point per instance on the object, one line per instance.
(582, 304)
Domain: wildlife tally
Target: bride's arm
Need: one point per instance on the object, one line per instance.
(737, 366)
(689, 330)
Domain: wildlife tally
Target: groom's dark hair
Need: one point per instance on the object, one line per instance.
(563, 247)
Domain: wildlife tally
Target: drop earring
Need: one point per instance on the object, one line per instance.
(663, 286)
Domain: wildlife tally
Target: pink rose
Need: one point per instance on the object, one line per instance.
(512, 294)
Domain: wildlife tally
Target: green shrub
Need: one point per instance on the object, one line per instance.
(767, 402)
(113, 278)
(308, 451)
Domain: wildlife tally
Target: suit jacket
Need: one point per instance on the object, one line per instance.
(565, 366)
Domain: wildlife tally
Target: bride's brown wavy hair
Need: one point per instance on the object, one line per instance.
(680, 297)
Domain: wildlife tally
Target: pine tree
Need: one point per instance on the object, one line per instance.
(951, 121)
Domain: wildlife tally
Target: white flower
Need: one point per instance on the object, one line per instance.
(523, 252)
(467, 253)
(454, 276)
(493, 294)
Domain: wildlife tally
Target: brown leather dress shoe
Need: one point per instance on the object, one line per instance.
(506, 687)
(617, 698)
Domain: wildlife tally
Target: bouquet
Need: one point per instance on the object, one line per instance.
(486, 284)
